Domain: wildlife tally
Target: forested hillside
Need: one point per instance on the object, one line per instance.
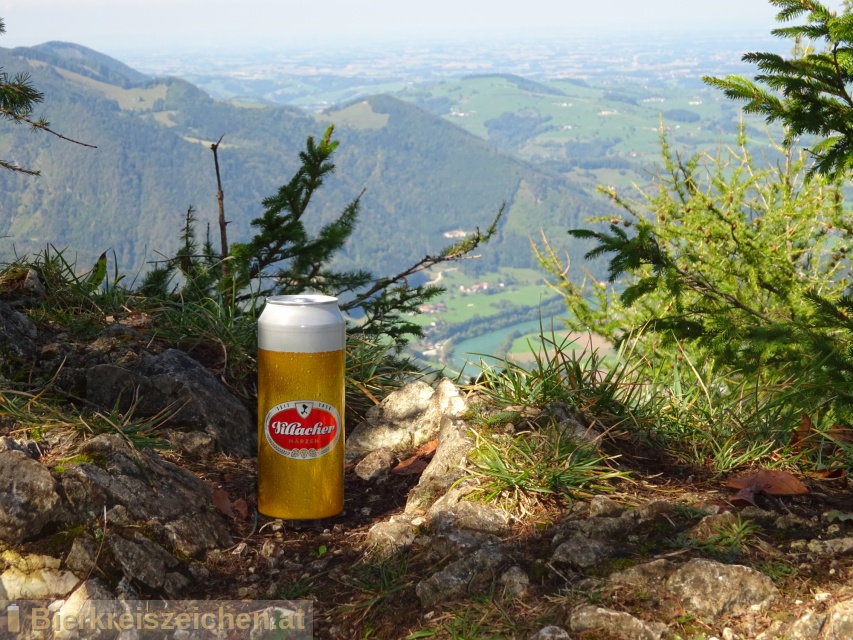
(423, 176)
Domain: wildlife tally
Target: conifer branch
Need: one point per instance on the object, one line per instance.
(42, 125)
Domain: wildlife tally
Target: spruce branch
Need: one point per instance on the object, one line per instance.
(43, 126)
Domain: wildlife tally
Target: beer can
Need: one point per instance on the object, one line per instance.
(301, 368)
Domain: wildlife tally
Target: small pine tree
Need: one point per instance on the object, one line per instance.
(284, 258)
(744, 267)
(807, 92)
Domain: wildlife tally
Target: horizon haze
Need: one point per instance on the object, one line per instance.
(137, 26)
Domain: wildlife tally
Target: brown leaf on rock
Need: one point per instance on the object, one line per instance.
(419, 461)
(221, 501)
(774, 483)
(427, 448)
(410, 466)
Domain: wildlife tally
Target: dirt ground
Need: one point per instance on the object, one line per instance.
(356, 596)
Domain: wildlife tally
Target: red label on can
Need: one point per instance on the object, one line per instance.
(302, 429)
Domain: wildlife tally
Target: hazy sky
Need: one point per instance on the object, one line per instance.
(161, 25)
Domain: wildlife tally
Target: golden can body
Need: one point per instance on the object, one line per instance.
(301, 369)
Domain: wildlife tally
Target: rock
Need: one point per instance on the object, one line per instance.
(193, 444)
(456, 543)
(34, 577)
(32, 284)
(579, 553)
(448, 501)
(17, 333)
(711, 589)
(642, 575)
(473, 516)
(374, 467)
(839, 621)
(171, 501)
(806, 627)
(29, 499)
(82, 557)
(446, 466)
(710, 526)
(172, 381)
(30, 448)
(614, 624)
(118, 516)
(387, 538)
(515, 582)
(652, 511)
(550, 633)
(600, 528)
(406, 418)
(80, 604)
(142, 559)
(466, 575)
(604, 507)
(836, 547)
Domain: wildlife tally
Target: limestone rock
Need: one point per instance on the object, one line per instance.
(29, 448)
(142, 559)
(615, 623)
(194, 444)
(515, 582)
(82, 557)
(604, 507)
(642, 575)
(550, 633)
(708, 588)
(839, 621)
(387, 538)
(29, 499)
(171, 501)
(579, 552)
(172, 381)
(472, 516)
(374, 467)
(406, 418)
(81, 605)
(33, 577)
(457, 543)
(806, 627)
(17, 333)
(446, 466)
(466, 575)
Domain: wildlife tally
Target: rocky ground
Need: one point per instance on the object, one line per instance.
(92, 511)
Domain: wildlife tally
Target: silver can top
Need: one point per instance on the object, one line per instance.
(304, 323)
(302, 299)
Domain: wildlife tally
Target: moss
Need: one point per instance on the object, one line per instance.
(62, 466)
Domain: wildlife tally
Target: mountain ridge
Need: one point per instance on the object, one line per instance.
(423, 176)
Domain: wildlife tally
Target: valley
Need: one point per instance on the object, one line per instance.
(438, 136)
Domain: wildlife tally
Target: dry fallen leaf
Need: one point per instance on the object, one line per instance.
(410, 466)
(774, 483)
(427, 448)
(745, 497)
(801, 433)
(221, 501)
(241, 508)
(419, 461)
